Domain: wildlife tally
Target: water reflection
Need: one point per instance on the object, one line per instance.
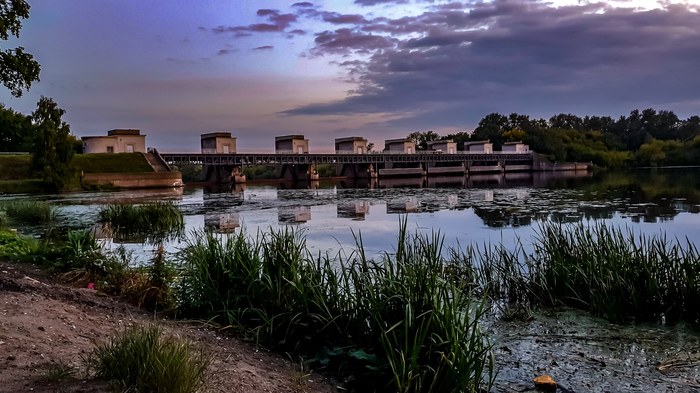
(483, 208)
(356, 210)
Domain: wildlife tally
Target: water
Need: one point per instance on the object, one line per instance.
(490, 209)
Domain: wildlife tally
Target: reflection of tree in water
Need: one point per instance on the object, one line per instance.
(502, 217)
(641, 196)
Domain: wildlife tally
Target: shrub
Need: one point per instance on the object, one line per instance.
(144, 359)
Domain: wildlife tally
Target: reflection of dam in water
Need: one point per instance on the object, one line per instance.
(294, 215)
(354, 210)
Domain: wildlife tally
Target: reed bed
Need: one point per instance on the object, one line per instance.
(29, 212)
(397, 324)
(616, 274)
(608, 271)
(152, 222)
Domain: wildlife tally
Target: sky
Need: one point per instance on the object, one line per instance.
(380, 69)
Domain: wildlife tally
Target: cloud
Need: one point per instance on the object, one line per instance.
(376, 2)
(278, 22)
(264, 47)
(226, 51)
(515, 56)
(344, 41)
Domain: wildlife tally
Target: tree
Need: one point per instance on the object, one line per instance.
(421, 139)
(18, 69)
(53, 147)
(16, 130)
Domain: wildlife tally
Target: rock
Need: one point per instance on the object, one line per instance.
(545, 382)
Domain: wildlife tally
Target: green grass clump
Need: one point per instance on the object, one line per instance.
(29, 212)
(398, 323)
(110, 163)
(618, 275)
(151, 221)
(145, 359)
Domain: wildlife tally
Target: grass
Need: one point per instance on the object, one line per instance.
(151, 221)
(618, 275)
(145, 359)
(29, 212)
(397, 323)
(15, 166)
(111, 163)
(60, 372)
(24, 186)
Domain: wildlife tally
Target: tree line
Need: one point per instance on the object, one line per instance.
(644, 138)
(43, 133)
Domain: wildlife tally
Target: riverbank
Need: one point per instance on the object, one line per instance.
(45, 324)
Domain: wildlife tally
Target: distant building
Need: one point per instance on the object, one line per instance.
(291, 144)
(515, 147)
(218, 143)
(478, 147)
(116, 141)
(351, 145)
(444, 146)
(402, 145)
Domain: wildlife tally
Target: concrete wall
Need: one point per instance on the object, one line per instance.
(400, 147)
(444, 147)
(132, 180)
(118, 144)
(293, 146)
(351, 147)
(486, 148)
(515, 148)
(219, 145)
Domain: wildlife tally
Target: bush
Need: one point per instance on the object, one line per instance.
(144, 359)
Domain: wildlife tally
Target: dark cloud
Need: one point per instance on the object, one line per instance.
(376, 2)
(303, 4)
(227, 51)
(264, 47)
(278, 22)
(336, 18)
(344, 41)
(517, 56)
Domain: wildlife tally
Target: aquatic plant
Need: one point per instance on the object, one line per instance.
(616, 274)
(29, 212)
(397, 322)
(145, 359)
(153, 222)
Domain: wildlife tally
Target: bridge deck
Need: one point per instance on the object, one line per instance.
(373, 158)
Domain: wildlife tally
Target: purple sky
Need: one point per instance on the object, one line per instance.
(374, 68)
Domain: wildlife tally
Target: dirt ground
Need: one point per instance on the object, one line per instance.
(44, 323)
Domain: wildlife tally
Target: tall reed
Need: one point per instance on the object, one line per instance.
(398, 322)
(618, 274)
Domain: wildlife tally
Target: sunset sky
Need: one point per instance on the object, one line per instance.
(374, 68)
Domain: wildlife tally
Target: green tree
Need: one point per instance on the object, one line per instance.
(16, 130)
(421, 139)
(53, 147)
(18, 69)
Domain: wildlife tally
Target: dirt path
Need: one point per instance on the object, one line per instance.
(44, 323)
